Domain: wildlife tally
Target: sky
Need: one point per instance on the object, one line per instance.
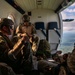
(68, 37)
(69, 13)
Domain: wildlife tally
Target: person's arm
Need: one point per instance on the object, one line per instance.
(33, 29)
(4, 49)
(18, 46)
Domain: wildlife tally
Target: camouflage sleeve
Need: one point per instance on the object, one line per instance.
(71, 61)
(5, 53)
(33, 29)
(18, 29)
(3, 49)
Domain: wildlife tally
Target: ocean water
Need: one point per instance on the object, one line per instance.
(67, 42)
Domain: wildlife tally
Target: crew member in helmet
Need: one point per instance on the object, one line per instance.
(8, 51)
(28, 28)
(25, 26)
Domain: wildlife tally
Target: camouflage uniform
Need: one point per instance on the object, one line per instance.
(27, 29)
(30, 30)
(71, 61)
(12, 54)
(5, 47)
(44, 49)
(6, 70)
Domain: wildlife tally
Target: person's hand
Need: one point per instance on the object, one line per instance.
(24, 37)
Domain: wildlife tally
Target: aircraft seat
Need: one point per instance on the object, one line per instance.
(53, 35)
(40, 29)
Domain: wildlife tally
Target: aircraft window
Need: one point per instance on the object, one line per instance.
(0, 19)
(11, 16)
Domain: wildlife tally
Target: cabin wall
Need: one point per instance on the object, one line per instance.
(43, 15)
(37, 15)
(6, 9)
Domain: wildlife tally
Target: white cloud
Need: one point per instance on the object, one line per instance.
(69, 26)
(64, 16)
(68, 29)
(69, 14)
(70, 10)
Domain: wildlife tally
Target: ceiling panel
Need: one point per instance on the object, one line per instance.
(53, 4)
(32, 4)
(45, 3)
(28, 5)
